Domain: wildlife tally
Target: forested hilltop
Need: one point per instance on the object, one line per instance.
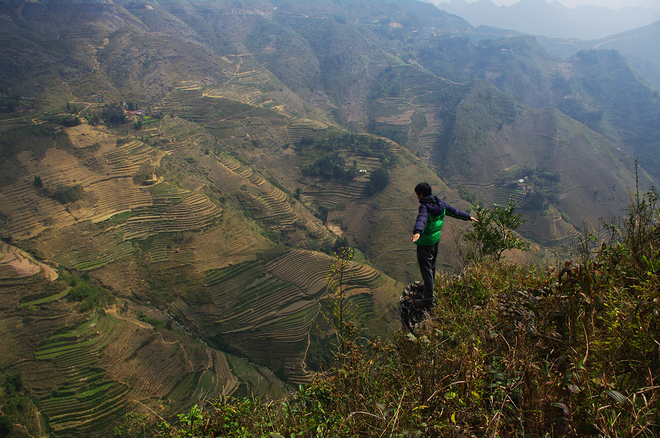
(175, 177)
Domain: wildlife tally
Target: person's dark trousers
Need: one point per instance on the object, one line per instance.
(427, 257)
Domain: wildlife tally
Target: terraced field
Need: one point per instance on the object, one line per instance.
(260, 296)
(126, 159)
(109, 197)
(87, 371)
(269, 309)
(272, 206)
(104, 251)
(559, 234)
(395, 111)
(334, 195)
(257, 311)
(548, 228)
(87, 399)
(246, 86)
(177, 134)
(300, 128)
(194, 211)
(274, 209)
(176, 99)
(501, 196)
(29, 213)
(90, 369)
(104, 184)
(312, 280)
(109, 362)
(239, 169)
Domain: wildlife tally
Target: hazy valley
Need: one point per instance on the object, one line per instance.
(174, 176)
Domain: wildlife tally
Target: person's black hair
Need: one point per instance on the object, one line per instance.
(423, 189)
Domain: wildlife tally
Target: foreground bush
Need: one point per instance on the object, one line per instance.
(509, 351)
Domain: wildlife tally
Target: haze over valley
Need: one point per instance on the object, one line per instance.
(585, 20)
(175, 177)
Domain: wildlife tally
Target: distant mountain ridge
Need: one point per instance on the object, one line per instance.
(538, 17)
(639, 46)
(188, 163)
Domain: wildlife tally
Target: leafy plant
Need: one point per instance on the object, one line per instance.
(494, 232)
(341, 311)
(135, 425)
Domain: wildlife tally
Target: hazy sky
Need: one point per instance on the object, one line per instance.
(612, 4)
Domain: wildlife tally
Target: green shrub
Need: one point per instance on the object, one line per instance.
(90, 295)
(379, 179)
(67, 194)
(329, 167)
(114, 114)
(152, 321)
(494, 232)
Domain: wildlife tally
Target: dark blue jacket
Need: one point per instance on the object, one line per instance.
(431, 217)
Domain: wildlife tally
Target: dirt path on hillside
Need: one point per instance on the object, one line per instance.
(238, 67)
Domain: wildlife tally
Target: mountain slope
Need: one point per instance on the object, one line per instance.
(190, 252)
(177, 162)
(637, 45)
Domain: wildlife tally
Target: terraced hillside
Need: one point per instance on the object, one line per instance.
(267, 310)
(196, 232)
(191, 165)
(416, 115)
(93, 189)
(85, 370)
(16, 263)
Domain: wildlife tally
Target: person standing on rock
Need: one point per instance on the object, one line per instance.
(426, 235)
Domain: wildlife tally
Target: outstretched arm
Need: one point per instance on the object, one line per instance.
(420, 223)
(459, 214)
